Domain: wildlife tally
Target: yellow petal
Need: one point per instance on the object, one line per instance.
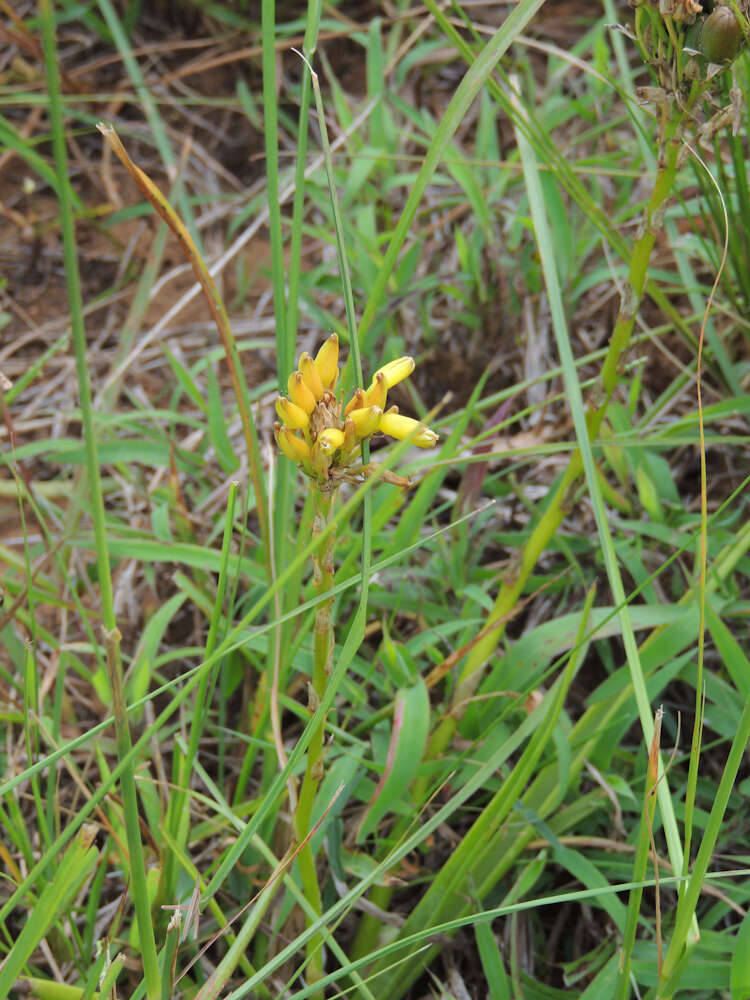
(327, 362)
(330, 440)
(311, 375)
(299, 394)
(291, 414)
(400, 427)
(376, 394)
(395, 371)
(366, 420)
(356, 402)
(292, 446)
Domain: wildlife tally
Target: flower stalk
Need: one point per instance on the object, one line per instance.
(324, 438)
(323, 572)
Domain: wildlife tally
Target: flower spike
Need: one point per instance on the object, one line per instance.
(329, 445)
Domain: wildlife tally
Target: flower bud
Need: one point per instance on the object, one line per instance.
(400, 427)
(356, 402)
(293, 447)
(395, 371)
(291, 414)
(722, 35)
(311, 376)
(327, 362)
(376, 394)
(330, 440)
(299, 394)
(366, 420)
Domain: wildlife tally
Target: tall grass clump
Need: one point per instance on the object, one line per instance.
(289, 714)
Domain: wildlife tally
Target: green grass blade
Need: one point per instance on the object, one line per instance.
(73, 279)
(454, 114)
(685, 916)
(449, 887)
(177, 822)
(150, 108)
(139, 887)
(547, 252)
(622, 987)
(284, 349)
(53, 903)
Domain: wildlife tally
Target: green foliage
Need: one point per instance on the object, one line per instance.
(482, 812)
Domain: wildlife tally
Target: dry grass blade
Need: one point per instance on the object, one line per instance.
(218, 311)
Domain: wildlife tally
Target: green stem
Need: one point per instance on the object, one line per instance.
(645, 839)
(552, 518)
(141, 903)
(689, 898)
(323, 661)
(177, 817)
(370, 927)
(75, 300)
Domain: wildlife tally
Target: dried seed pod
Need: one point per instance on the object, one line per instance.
(722, 35)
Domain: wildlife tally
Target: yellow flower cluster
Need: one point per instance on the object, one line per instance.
(317, 435)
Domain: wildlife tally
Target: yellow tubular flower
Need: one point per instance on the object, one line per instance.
(400, 427)
(330, 440)
(292, 415)
(311, 375)
(395, 371)
(292, 446)
(356, 402)
(327, 362)
(366, 421)
(376, 394)
(299, 394)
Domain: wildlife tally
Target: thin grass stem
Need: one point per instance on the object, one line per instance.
(139, 886)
